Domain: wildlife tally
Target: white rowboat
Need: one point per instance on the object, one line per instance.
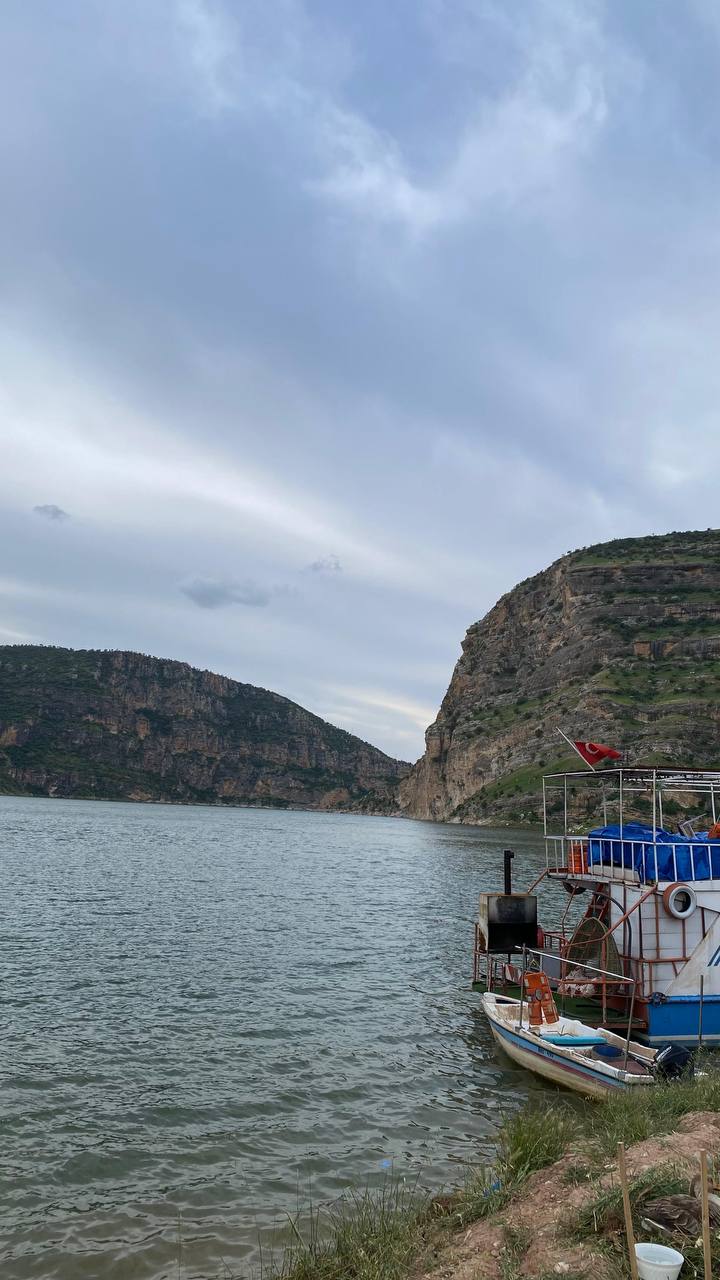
(589, 1060)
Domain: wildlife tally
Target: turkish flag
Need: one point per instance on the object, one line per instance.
(594, 752)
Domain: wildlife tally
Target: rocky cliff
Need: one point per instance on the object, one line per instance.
(126, 726)
(619, 643)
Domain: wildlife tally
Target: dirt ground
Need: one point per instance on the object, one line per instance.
(545, 1202)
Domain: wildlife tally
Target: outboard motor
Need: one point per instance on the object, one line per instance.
(672, 1062)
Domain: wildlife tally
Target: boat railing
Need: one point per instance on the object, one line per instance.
(541, 957)
(603, 978)
(567, 975)
(640, 861)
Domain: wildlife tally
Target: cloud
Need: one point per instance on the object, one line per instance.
(326, 564)
(212, 44)
(509, 147)
(9, 636)
(376, 714)
(113, 458)
(51, 511)
(554, 102)
(212, 593)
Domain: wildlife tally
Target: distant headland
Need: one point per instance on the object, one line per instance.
(105, 724)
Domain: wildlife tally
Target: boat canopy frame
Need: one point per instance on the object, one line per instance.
(638, 780)
(652, 782)
(606, 977)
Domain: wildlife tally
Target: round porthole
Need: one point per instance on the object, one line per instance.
(679, 901)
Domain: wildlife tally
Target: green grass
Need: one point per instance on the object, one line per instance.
(371, 1236)
(641, 680)
(516, 1244)
(577, 1174)
(637, 1114)
(569, 1275)
(700, 546)
(492, 717)
(668, 628)
(524, 781)
(531, 1140)
(603, 1214)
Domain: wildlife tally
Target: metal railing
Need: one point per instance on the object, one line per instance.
(561, 969)
(606, 978)
(639, 861)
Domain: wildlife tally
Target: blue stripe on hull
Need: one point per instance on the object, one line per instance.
(572, 1068)
(677, 1021)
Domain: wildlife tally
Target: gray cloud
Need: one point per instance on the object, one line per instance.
(51, 511)
(326, 564)
(210, 593)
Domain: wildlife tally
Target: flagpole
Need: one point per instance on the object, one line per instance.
(579, 753)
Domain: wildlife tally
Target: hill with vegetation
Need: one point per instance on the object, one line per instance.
(618, 643)
(113, 725)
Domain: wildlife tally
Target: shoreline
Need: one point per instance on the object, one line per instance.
(549, 1205)
(486, 824)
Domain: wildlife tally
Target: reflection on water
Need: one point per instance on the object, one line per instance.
(211, 1015)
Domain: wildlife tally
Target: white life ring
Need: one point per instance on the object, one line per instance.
(679, 900)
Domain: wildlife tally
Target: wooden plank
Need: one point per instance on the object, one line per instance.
(707, 1246)
(627, 1211)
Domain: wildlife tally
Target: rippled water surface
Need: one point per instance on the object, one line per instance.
(212, 1016)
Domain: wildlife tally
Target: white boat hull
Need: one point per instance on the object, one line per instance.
(563, 1066)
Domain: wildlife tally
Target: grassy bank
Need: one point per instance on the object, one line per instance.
(399, 1233)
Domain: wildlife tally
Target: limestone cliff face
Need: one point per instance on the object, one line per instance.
(124, 725)
(619, 643)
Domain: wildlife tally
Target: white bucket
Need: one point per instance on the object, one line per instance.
(658, 1262)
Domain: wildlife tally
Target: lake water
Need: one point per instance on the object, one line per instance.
(213, 1016)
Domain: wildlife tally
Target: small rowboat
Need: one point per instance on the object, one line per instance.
(589, 1060)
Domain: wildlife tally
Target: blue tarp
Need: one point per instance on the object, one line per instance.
(638, 847)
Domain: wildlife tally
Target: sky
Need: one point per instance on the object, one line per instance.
(322, 324)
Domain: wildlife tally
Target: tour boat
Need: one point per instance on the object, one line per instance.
(645, 956)
(593, 1062)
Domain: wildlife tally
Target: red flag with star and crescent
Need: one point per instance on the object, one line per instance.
(593, 753)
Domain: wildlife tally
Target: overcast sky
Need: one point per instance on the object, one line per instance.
(323, 323)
